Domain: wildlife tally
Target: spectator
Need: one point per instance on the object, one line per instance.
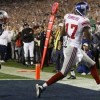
(59, 54)
(19, 47)
(37, 53)
(3, 45)
(96, 48)
(10, 36)
(93, 24)
(15, 33)
(82, 67)
(27, 37)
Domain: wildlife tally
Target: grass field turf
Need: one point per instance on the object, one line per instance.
(13, 63)
(7, 76)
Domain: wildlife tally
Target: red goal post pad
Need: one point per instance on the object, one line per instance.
(49, 30)
(55, 7)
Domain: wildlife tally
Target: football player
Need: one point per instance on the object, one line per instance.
(75, 25)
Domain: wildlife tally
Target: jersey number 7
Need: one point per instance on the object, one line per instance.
(74, 27)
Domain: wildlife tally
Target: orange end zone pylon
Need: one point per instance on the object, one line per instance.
(38, 71)
(49, 30)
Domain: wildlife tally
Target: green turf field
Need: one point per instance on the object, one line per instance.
(50, 69)
(7, 76)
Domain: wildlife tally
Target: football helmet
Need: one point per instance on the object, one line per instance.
(3, 17)
(82, 8)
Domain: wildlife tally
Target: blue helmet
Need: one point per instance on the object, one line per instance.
(82, 8)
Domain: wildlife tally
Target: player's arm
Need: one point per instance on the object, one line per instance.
(87, 33)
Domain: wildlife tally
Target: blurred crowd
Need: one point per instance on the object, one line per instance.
(38, 11)
(35, 14)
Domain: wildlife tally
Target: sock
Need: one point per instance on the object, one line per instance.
(26, 63)
(55, 78)
(95, 74)
(45, 85)
(26, 60)
(31, 59)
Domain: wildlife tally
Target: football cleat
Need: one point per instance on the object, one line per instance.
(72, 77)
(39, 90)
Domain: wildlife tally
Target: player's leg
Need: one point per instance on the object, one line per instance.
(92, 65)
(26, 47)
(31, 51)
(72, 72)
(68, 62)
